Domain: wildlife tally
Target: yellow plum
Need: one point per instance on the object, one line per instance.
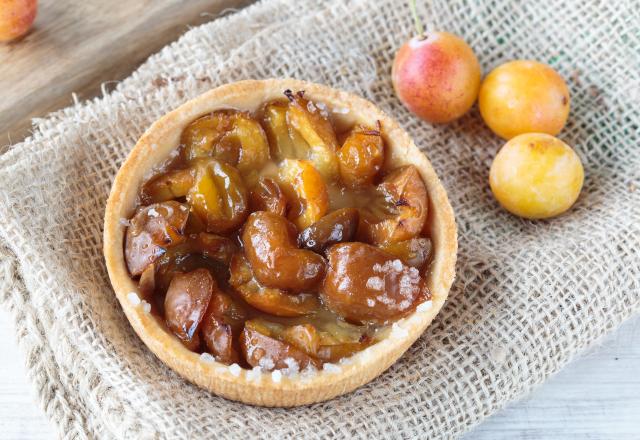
(524, 97)
(536, 175)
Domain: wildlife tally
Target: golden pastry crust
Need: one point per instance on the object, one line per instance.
(154, 147)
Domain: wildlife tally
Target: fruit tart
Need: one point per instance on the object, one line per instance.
(278, 242)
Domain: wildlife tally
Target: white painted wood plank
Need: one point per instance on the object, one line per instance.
(596, 397)
(20, 416)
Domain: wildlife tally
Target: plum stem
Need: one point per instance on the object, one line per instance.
(416, 20)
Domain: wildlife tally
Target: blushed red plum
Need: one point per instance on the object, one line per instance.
(16, 18)
(436, 75)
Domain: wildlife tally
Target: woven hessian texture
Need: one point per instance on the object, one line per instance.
(528, 295)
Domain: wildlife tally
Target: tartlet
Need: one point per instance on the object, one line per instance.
(262, 388)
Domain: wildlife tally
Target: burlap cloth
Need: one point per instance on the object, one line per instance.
(528, 295)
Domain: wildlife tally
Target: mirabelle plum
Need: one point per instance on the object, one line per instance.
(266, 195)
(366, 284)
(306, 190)
(325, 345)
(361, 156)
(524, 97)
(269, 300)
(153, 229)
(187, 301)
(269, 242)
(319, 345)
(415, 252)
(536, 175)
(219, 196)
(285, 142)
(201, 136)
(335, 352)
(335, 227)
(254, 147)
(436, 75)
(167, 186)
(405, 199)
(197, 251)
(303, 336)
(261, 348)
(221, 325)
(227, 135)
(315, 128)
(16, 17)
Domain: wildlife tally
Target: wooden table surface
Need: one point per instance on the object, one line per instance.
(77, 45)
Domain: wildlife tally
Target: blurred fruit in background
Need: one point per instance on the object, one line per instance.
(536, 175)
(16, 18)
(436, 75)
(524, 97)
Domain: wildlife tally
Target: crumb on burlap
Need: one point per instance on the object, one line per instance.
(159, 82)
(594, 91)
(575, 76)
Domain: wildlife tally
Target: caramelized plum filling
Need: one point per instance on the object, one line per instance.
(266, 195)
(268, 353)
(272, 241)
(221, 326)
(218, 196)
(366, 284)
(152, 230)
(186, 302)
(405, 196)
(336, 227)
(361, 156)
(270, 300)
(270, 246)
